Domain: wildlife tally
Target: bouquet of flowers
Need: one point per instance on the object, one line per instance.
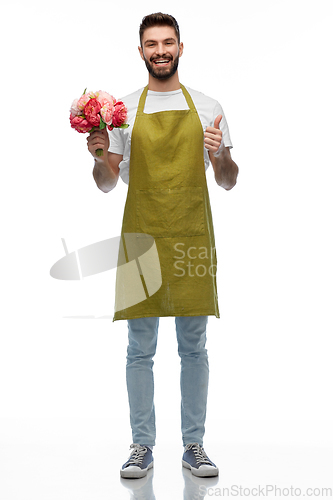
(95, 111)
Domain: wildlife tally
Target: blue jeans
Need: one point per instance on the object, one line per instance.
(142, 341)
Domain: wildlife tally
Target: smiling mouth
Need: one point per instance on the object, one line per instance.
(161, 62)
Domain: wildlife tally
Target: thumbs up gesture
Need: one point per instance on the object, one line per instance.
(213, 136)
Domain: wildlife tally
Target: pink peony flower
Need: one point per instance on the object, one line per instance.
(119, 115)
(80, 124)
(84, 100)
(104, 97)
(91, 111)
(75, 111)
(106, 113)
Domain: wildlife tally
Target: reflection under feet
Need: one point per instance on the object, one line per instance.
(195, 488)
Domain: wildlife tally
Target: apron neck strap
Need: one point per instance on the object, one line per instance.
(186, 95)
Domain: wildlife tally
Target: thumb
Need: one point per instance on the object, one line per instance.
(217, 121)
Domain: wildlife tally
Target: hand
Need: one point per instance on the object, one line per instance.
(213, 136)
(99, 139)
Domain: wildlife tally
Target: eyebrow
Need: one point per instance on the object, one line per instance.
(166, 40)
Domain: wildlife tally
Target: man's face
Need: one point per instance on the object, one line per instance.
(160, 51)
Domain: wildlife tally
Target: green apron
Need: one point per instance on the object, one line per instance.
(167, 213)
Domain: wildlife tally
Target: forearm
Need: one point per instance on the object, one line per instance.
(225, 169)
(105, 177)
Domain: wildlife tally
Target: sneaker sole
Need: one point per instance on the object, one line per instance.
(133, 472)
(202, 472)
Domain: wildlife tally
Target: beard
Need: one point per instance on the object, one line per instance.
(162, 73)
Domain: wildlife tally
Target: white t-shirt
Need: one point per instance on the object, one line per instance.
(207, 108)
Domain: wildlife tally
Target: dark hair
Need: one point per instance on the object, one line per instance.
(158, 19)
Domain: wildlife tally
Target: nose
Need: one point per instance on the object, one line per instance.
(160, 49)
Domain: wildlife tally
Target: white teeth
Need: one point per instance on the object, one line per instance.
(161, 62)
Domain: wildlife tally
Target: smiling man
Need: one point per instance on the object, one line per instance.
(175, 133)
(161, 67)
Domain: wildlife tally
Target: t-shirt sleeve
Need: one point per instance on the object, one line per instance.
(117, 144)
(223, 124)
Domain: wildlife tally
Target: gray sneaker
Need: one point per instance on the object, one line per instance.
(196, 460)
(139, 462)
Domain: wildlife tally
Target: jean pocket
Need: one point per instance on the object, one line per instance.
(169, 213)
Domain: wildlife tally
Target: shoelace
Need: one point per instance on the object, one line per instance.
(137, 454)
(199, 452)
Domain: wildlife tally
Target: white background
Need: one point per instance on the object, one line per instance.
(63, 380)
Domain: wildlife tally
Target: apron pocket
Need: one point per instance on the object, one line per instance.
(169, 213)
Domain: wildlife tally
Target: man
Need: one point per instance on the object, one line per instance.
(162, 155)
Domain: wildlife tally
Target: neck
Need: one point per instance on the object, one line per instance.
(164, 85)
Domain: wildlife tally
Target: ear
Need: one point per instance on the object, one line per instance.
(141, 52)
(181, 48)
